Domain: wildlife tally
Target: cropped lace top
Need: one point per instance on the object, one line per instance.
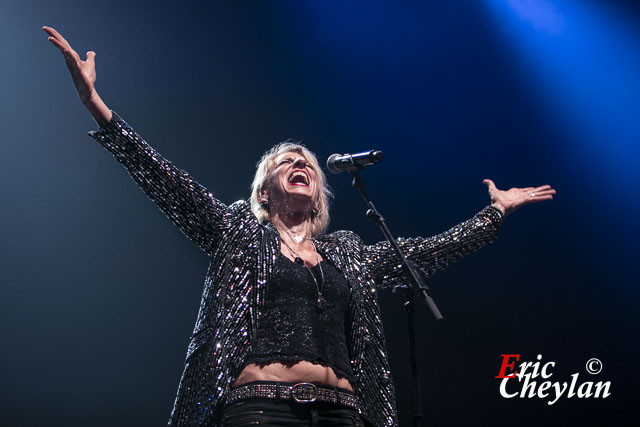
(294, 327)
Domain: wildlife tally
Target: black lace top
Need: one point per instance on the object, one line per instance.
(294, 328)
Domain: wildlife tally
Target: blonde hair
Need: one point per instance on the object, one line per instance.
(320, 214)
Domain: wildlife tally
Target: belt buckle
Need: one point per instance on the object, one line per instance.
(308, 392)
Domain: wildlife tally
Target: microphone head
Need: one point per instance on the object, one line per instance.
(376, 156)
(331, 164)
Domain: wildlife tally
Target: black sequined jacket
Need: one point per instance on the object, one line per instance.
(242, 255)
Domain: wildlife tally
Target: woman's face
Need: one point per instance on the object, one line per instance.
(292, 182)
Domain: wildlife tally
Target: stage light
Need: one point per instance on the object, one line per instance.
(580, 62)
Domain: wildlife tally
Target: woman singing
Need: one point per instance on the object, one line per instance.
(289, 330)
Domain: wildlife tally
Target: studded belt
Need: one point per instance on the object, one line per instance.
(300, 392)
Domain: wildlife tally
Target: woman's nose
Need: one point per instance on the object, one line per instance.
(300, 162)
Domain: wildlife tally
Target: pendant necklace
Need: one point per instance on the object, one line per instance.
(298, 260)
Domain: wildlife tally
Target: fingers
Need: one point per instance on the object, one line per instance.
(91, 57)
(65, 49)
(57, 44)
(51, 31)
(56, 38)
(490, 184)
(61, 43)
(56, 35)
(539, 193)
(537, 198)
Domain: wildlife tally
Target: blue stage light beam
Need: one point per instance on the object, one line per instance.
(581, 62)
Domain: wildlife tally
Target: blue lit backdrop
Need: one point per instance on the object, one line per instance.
(99, 291)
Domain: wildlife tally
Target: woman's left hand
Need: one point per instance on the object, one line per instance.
(509, 200)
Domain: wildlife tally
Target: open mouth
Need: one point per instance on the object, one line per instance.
(299, 178)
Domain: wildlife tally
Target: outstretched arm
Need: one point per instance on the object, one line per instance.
(198, 214)
(188, 204)
(435, 253)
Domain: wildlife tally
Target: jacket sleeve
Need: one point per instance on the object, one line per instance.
(188, 204)
(434, 253)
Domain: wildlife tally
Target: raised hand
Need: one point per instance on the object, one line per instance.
(83, 74)
(509, 200)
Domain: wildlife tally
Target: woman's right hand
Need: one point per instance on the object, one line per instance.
(83, 74)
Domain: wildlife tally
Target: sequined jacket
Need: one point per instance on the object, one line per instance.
(243, 253)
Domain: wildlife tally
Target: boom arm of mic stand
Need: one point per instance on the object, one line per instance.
(412, 273)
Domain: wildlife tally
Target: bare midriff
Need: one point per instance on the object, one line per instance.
(300, 372)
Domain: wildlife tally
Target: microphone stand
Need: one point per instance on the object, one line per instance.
(416, 283)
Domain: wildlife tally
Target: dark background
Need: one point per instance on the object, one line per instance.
(100, 292)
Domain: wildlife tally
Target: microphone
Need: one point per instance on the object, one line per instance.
(338, 163)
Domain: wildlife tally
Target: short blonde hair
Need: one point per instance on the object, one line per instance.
(320, 215)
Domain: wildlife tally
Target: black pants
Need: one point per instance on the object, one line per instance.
(284, 413)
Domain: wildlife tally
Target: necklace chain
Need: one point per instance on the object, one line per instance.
(298, 260)
(293, 237)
